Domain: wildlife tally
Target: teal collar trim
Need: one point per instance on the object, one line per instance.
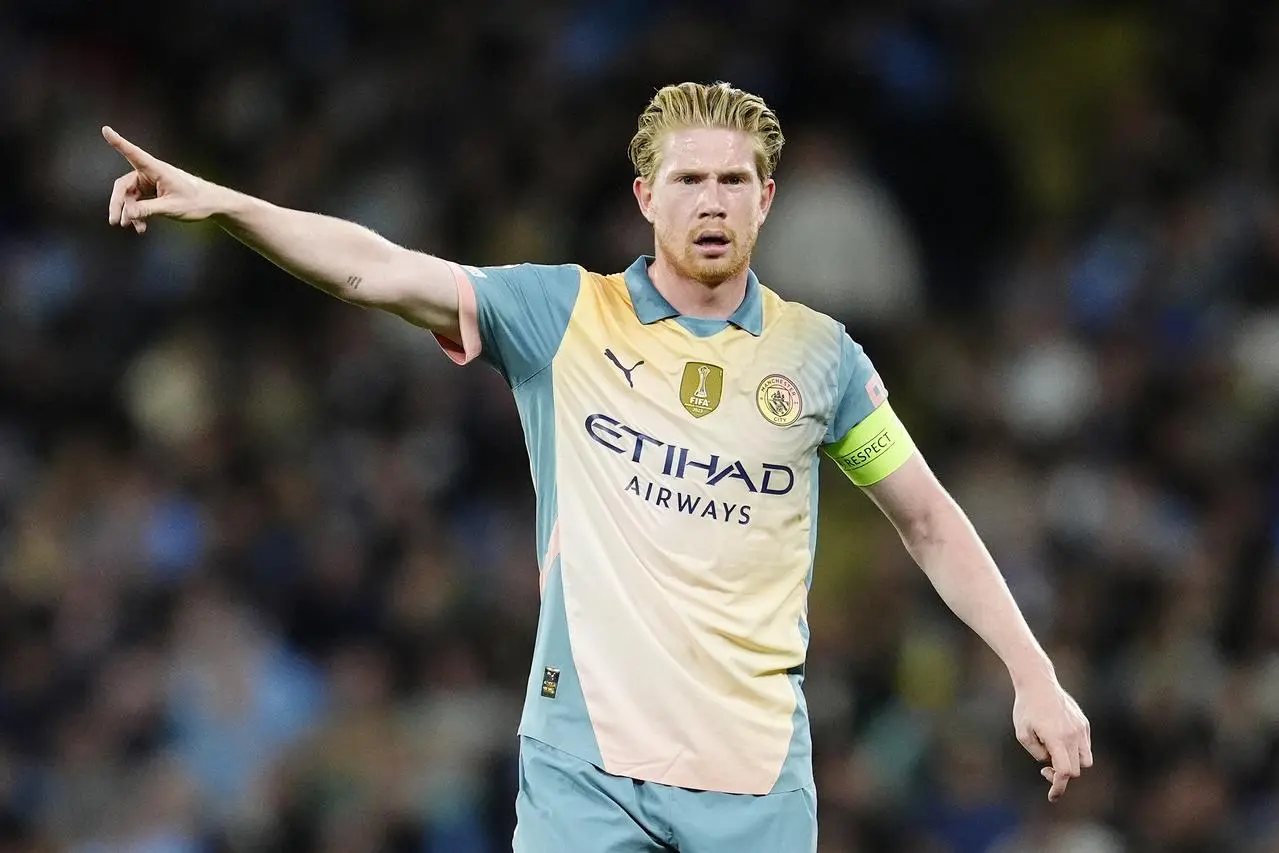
(650, 306)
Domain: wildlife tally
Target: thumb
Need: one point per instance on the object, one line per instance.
(144, 209)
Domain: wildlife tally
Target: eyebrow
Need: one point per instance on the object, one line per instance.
(701, 173)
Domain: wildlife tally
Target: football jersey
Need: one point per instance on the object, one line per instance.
(675, 463)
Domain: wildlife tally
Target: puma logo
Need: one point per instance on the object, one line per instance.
(608, 353)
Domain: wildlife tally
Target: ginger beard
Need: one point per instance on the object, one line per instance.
(707, 263)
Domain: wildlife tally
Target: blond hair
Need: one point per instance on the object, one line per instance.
(699, 105)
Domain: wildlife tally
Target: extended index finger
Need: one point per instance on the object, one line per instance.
(137, 158)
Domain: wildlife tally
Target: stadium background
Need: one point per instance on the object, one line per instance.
(267, 565)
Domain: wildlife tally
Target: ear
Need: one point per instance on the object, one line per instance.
(766, 198)
(644, 196)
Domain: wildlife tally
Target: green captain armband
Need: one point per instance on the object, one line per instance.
(873, 449)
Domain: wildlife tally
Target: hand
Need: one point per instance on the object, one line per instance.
(1052, 728)
(154, 188)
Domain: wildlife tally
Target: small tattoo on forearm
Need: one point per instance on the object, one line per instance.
(353, 282)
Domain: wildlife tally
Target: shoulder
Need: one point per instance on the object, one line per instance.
(610, 289)
(547, 273)
(798, 317)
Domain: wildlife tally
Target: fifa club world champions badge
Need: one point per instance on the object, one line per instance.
(701, 388)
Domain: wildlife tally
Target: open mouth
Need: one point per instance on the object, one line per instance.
(712, 240)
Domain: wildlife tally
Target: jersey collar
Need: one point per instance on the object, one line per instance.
(650, 306)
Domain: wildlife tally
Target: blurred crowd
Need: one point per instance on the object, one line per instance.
(267, 567)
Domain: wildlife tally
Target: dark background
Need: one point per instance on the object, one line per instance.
(267, 569)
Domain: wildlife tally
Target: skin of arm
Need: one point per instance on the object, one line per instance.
(941, 539)
(341, 258)
(344, 259)
(1048, 722)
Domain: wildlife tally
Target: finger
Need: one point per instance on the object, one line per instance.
(138, 159)
(1031, 744)
(1047, 773)
(1085, 749)
(1065, 758)
(135, 213)
(138, 211)
(140, 226)
(1059, 783)
(120, 191)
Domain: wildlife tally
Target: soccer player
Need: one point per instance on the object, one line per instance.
(674, 415)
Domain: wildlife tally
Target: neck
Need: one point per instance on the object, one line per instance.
(693, 298)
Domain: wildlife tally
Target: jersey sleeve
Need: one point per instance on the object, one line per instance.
(513, 317)
(865, 438)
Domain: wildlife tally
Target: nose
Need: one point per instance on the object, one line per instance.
(711, 204)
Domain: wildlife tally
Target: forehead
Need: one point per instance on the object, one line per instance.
(707, 148)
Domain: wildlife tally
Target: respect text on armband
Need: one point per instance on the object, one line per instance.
(867, 452)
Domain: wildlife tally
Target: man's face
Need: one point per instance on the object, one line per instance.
(706, 202)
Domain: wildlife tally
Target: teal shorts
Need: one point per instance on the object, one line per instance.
(567, 805)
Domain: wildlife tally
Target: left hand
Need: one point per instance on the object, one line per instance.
(1052, 728)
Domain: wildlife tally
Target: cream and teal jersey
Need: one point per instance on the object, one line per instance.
(675, 461)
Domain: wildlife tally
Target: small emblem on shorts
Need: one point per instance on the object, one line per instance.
(779, 400)
(550, 682)
(701, 388)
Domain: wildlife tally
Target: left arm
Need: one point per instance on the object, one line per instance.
(872, 447)
(942, 541)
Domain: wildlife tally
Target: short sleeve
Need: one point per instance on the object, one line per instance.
(859, 390)
(865, 438)
(513, 317)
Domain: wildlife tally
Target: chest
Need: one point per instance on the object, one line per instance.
(768, 397)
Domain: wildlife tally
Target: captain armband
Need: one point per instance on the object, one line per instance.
(873, 449)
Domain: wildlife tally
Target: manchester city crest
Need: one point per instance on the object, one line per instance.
(779, 400)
